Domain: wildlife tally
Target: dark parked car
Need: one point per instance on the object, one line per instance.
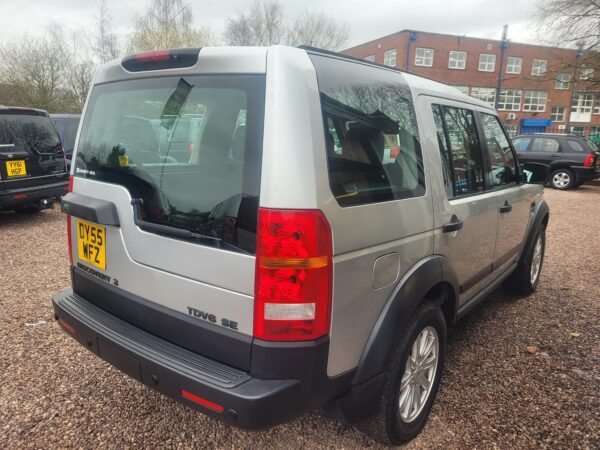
(571, 160)
(32, 162)
(66, 125)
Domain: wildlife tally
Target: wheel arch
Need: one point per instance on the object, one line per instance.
(541, 218)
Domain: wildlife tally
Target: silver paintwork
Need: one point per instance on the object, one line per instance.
(419, 374)
(294, 175)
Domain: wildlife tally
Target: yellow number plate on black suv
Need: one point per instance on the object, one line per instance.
(91, 243)
(16, 168)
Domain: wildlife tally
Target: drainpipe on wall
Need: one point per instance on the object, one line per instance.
(578, 55)
(411, 37)
(503, 47)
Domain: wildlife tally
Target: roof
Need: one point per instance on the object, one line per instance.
(22, 110)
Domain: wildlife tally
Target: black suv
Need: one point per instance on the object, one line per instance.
(32, 161)
(571, 160)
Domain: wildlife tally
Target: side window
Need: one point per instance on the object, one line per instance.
(502, 160)
(444, 146)
(467, 167)
(521, 144)
(72, 126)
(373, 149)
(575, 146)
(547, 145)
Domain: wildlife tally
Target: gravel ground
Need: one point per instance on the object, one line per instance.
(54, 393)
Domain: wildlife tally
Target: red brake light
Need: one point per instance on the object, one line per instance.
(69, 240)
(590, 160)
(292, 294)
(155, 55)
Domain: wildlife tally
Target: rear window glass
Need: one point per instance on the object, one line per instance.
(371, 137)
(188, 148)
(28, 132)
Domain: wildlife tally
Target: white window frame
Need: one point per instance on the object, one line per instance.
(585, 73)
(563, 81)
(596, 110)
(582, 103)
(457, 59)
(423, 59)
(370, 58)
(485, 94)
(511, 129)
(535, 101)
(390, 57)
(489, 65)
(539, 67)
(514, 64)
(509, 103)
(557, 116)
(463, 89)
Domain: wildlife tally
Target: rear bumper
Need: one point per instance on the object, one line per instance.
(11, 198)
(235, 396)
(584, 174)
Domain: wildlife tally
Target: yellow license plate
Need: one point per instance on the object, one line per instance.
(16, 168)
(91, 243)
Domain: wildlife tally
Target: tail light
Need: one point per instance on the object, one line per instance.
(161, 59)
(292, 294)
(69, 240)
(590, 160)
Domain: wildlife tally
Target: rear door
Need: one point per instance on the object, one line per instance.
(30, 150)
(187, 226)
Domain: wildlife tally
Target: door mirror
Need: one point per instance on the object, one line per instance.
(535, 173)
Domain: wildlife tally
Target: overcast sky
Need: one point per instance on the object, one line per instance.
(367, 19)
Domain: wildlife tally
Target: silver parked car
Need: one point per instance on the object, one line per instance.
(331, 219)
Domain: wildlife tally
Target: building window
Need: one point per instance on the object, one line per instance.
(585, 73)
(539, 67)
(484, 94)
(370, 58)
(558, 113)
(562, 81)
(582, 103)
(463, 89)
(510, 100)
(512, 129)
(535, 101)
(389, 57)
(424, 57)
(487, 63)
(514, 64)
(457, 60)
(596, 109)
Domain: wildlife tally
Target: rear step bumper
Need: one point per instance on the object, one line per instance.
(226, 393)
(31, 194)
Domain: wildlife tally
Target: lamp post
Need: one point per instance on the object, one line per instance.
(503, 47)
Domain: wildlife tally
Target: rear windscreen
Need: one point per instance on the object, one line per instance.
(188, 147)
(28, 132)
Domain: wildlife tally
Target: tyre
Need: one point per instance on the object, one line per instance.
(524, 280)
(30, 209)
(411, 380)
(562, 179)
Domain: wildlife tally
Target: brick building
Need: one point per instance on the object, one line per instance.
(542, 88)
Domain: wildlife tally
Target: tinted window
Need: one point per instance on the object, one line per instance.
(521, 144)
(444, 147)
(502, 160)
(545, 145)
(373, 149)
(467, 167)
(72, 125)
(29, 132)
(214, 191)
(576, 146)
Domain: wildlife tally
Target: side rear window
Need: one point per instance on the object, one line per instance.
(72, 125)
(547, 145)
(465, 150)
(576, 147)
(372, 142)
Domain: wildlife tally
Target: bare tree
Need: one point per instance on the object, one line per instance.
(318, 30)
(105, 43)
(167, 24)
(265, 24)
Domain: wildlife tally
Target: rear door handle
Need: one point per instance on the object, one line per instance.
(455, 224)
(506, 208)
